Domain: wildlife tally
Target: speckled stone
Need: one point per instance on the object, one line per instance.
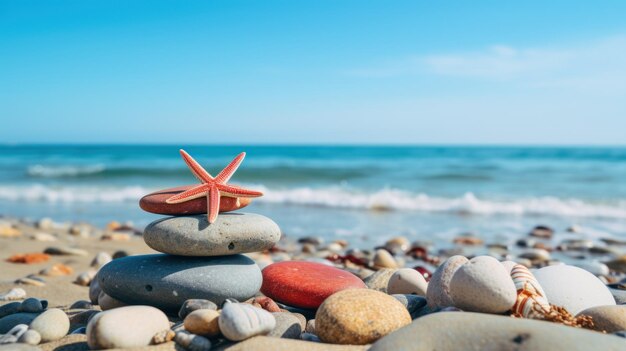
(167, 281)
(125, 327)
(359, 317)
(483, 285)
(438, 291)
(479, 331)
(231, 233)
(607, 318)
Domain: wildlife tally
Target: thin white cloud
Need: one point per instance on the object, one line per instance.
(600, 62)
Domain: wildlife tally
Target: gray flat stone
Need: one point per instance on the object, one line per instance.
(231, 233)
(478, 331)
(166, 281)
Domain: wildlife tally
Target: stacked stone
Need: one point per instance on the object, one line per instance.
(198, 260)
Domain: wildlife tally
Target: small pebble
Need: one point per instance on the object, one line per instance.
(30, 281)
(407, 281)
(195, 304)
(192, 342)
(203, 322)
(163, 336)
(240, 321)
(44, 237)
(66, 251)
(57, 270)
(85, 278)
(81, 304)
(383, 259)
(310, 337)
(101, 259)
(81, 330)
(30, 337)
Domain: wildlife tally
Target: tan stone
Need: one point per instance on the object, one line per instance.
(359, 317)
(203, 322)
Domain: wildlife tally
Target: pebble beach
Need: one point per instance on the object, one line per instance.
(75, 286)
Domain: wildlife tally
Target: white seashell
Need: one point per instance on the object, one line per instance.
(14, 334)
(13, 294)
(531, 299)
(240, 321)
(192, 342)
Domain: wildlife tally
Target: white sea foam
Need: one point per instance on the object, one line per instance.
(337, 197)
(63, 171)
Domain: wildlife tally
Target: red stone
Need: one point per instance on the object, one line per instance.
(305, 284)
(155, 203)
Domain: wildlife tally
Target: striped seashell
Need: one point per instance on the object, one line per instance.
(239, 321)
(531, 299)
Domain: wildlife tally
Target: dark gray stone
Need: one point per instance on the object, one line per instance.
(166, 281)
(231, 233)
(7, 323)
(10, 308)
(195, 304)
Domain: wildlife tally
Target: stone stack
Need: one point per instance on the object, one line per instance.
(198, 260)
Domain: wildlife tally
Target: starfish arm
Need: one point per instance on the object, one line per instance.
(189, 194)
(195, 168)
(213, 204)
(235, 191)
(225, 175)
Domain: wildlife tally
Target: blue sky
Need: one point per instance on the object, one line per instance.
(462, 72)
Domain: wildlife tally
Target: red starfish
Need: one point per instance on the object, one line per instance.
(211, 187)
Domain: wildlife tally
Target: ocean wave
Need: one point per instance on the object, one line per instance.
(339, 197)
(468, 204)
(63, 171)
(52, 194)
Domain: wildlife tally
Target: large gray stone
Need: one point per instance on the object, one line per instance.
(477, 331)
(167, 281)
(231, 233)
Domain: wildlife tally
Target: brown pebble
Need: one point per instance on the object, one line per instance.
(203, 322)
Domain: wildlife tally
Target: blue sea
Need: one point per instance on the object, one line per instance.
(365, 194)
